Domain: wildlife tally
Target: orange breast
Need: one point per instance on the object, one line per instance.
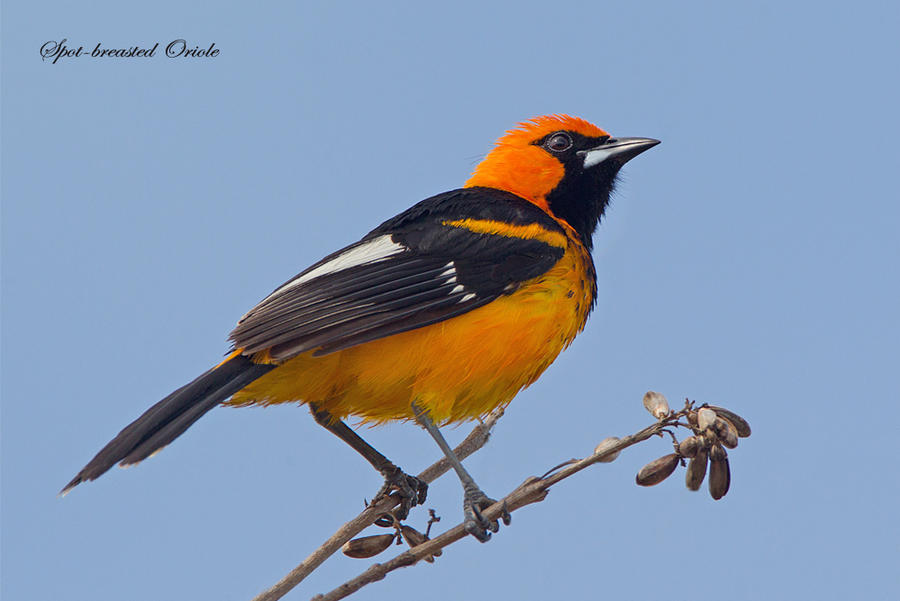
(458, 369)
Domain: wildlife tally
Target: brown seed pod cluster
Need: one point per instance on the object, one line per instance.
(370, 546)
(714, 429)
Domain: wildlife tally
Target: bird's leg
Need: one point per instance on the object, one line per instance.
(412, 491)
(474, 500)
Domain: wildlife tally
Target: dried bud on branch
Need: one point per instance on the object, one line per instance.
(705, 418)
(414, 538)
(656, 404)
(692, 419)
(605, 444)
(367, 546)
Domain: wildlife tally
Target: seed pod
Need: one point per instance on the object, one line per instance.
(414, 538)
(717, 453)
(656, 404)
(604, 445)
(719, 475)
(739, 423)
(707, 440)
(689, 446)
(692, 419)
(706, 417)
(657, 470)
(367, 546)
(726, 432)
(696, 469)
(385, 521)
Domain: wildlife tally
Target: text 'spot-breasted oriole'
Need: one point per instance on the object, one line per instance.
(438, 315)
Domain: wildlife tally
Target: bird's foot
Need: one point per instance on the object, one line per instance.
(410, 489)
(474, 502)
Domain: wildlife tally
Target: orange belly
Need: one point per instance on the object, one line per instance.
(458, 369)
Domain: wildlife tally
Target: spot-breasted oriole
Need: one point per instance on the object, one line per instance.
(438, 315)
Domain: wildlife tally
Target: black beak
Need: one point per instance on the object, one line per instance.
(620, 150)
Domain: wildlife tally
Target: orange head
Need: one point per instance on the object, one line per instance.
(565, 165)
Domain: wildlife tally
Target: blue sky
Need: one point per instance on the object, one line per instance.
(750, 261)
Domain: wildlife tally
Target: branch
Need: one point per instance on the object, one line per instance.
(713, 429)
(476, 439)
(533, 490)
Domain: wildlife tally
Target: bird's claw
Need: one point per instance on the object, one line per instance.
(474, 502)
(410, 490)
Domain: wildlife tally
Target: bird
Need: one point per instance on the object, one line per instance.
(439, 315)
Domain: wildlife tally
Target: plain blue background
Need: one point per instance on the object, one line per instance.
(750, 260)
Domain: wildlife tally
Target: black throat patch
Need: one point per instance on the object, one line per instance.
(583, 195)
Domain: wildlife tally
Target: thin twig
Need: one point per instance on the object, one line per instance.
(533, 490)
(476, 439)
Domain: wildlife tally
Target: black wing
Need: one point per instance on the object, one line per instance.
(411, 271)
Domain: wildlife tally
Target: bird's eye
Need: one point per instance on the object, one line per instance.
(559, 142)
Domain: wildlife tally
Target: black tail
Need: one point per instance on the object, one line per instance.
(168, 419)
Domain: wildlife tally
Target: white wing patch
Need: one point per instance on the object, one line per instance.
(451, 272)
(376, 249)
